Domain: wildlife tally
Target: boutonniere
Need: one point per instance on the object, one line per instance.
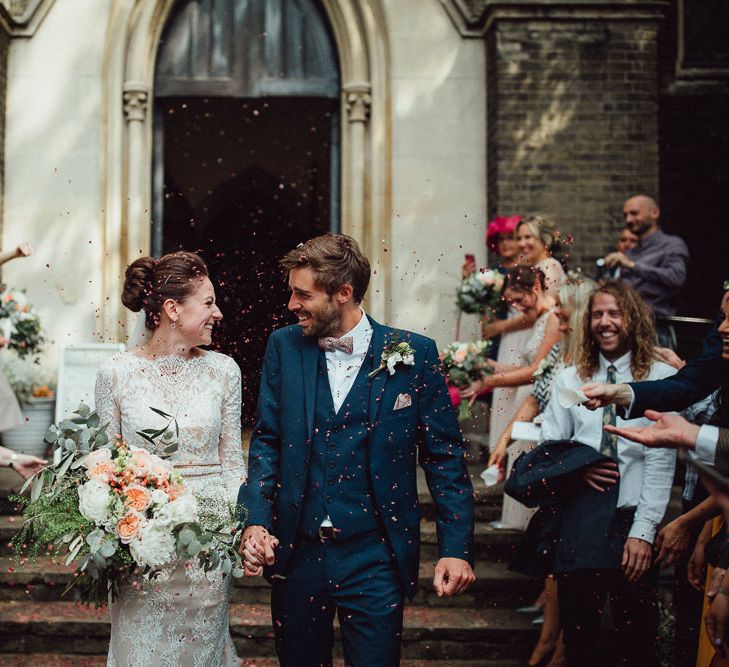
(544, 365)
(397, 352)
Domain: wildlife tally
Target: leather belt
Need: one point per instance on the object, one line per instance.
(327, 533)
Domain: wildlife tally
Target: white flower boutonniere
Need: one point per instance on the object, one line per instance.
(397, 352)
(544, 365)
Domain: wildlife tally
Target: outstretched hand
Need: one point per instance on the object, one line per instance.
(600, 395)
(452, 577)
(668, 430)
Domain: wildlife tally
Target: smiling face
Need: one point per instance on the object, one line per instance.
(607, 326)
(524, 301)
(197, 315)
(531, 247)
(724, 328)
(564, 313)
(641, 215)
(318, 312)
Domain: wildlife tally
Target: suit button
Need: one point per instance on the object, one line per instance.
(295, 506)
(332, 446)
(329, 499)
(332, 464)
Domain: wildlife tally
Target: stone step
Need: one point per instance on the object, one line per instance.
(44, 580)
(429, 633)
(60, 660)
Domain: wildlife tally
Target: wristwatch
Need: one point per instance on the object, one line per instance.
(13, 459)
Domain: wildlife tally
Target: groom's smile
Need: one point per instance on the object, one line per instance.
(316, 310)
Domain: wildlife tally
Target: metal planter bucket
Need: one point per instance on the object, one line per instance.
(28, 437)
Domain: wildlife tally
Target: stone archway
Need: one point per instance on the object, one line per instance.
(132, 40)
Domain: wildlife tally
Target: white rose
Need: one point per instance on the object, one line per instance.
(154, 546)
(409, 360)
(181, 510)
(392, 360)
(96, 457)
(486, 278)
(93, 501)
(159, 498)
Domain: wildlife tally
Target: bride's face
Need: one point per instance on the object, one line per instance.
(317, 311)
(198, 315)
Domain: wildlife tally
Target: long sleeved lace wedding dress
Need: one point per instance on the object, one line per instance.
(180, 617)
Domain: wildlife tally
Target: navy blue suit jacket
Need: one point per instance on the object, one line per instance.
(427, 430)
(696, 380)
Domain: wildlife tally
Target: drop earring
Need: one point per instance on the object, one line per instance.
(173, 325)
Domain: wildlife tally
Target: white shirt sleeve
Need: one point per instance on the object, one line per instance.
(557, 423)
(706, 443)
(658, 470)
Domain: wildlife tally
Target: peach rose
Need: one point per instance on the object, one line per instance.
(137, 497)
(103, 471)
(141, 462)
(129, 526)
(92, 459)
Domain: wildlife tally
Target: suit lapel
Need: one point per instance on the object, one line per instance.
(377, 384)
(309, 358)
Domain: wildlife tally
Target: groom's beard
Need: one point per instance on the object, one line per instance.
(325, 322)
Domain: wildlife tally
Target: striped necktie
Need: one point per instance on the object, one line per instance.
(609, 443)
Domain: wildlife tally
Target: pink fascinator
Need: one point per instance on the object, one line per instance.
(500, 225)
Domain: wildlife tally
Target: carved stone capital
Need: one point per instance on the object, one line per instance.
(358, 102)
(21, 18)
(135, 100)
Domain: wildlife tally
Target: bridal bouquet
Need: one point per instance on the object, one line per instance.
(20, 328)
(480, 292)
(116, 511)
(466, 362)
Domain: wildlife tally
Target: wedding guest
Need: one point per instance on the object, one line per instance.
(525, 290)
(24, 464)
(573, 296)
(538, 240)
(627, 240)
(656, 267)
(10, 413)
(608, 527)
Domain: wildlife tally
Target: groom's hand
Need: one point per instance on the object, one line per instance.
(452, 577)
(257, 548)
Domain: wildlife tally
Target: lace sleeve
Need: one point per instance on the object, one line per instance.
(230, 449)
(105, 403)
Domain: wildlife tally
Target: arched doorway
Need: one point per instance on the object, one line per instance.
(245, 153)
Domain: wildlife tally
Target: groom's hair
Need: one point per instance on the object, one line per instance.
(335, 259)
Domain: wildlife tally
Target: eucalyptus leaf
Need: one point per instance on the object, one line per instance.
(161, 413)
(94, 420)
(186, 535)
(65, 466)
(108, 548)
(99, 561)
(83, 410)
(50, 437)
(172, 448)
(70, 445)
(68, 425)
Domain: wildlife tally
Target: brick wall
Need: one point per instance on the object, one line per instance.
(572, 123)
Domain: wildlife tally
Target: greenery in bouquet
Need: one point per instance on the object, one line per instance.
(27, 378)
(116, 511)
(466, 362)
(480, 292)
(20, 328)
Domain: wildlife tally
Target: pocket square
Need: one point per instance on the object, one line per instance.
(402, 401)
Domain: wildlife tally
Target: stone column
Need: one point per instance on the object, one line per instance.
(572, 110)
(4, 46)
(357, 104)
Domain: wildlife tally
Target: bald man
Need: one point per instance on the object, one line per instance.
(656, 267)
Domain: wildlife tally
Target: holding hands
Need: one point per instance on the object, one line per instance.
(257, 548)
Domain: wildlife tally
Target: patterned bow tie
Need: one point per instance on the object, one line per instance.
(329, 344)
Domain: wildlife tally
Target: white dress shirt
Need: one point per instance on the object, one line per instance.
(646, 475)
(342, 368)
(706, 443)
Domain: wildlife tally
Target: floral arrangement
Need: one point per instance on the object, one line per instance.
(118, 511)
(544, 366)
(20, 328)
(480, 292)
(26, 377)
(397, 352)
(466, 362)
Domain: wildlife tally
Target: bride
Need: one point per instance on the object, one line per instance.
(180, 617)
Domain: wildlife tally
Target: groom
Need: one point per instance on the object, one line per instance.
(345, 408)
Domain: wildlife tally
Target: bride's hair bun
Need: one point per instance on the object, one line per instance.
(149, 282)
(137, 283)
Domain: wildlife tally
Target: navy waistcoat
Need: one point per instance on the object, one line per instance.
(338, 483)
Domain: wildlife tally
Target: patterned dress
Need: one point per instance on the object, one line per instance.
(180, 617)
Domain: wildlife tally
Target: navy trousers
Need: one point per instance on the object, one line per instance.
(357, 580)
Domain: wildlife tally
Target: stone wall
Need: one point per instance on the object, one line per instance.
(4, 44)
(572, 122)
